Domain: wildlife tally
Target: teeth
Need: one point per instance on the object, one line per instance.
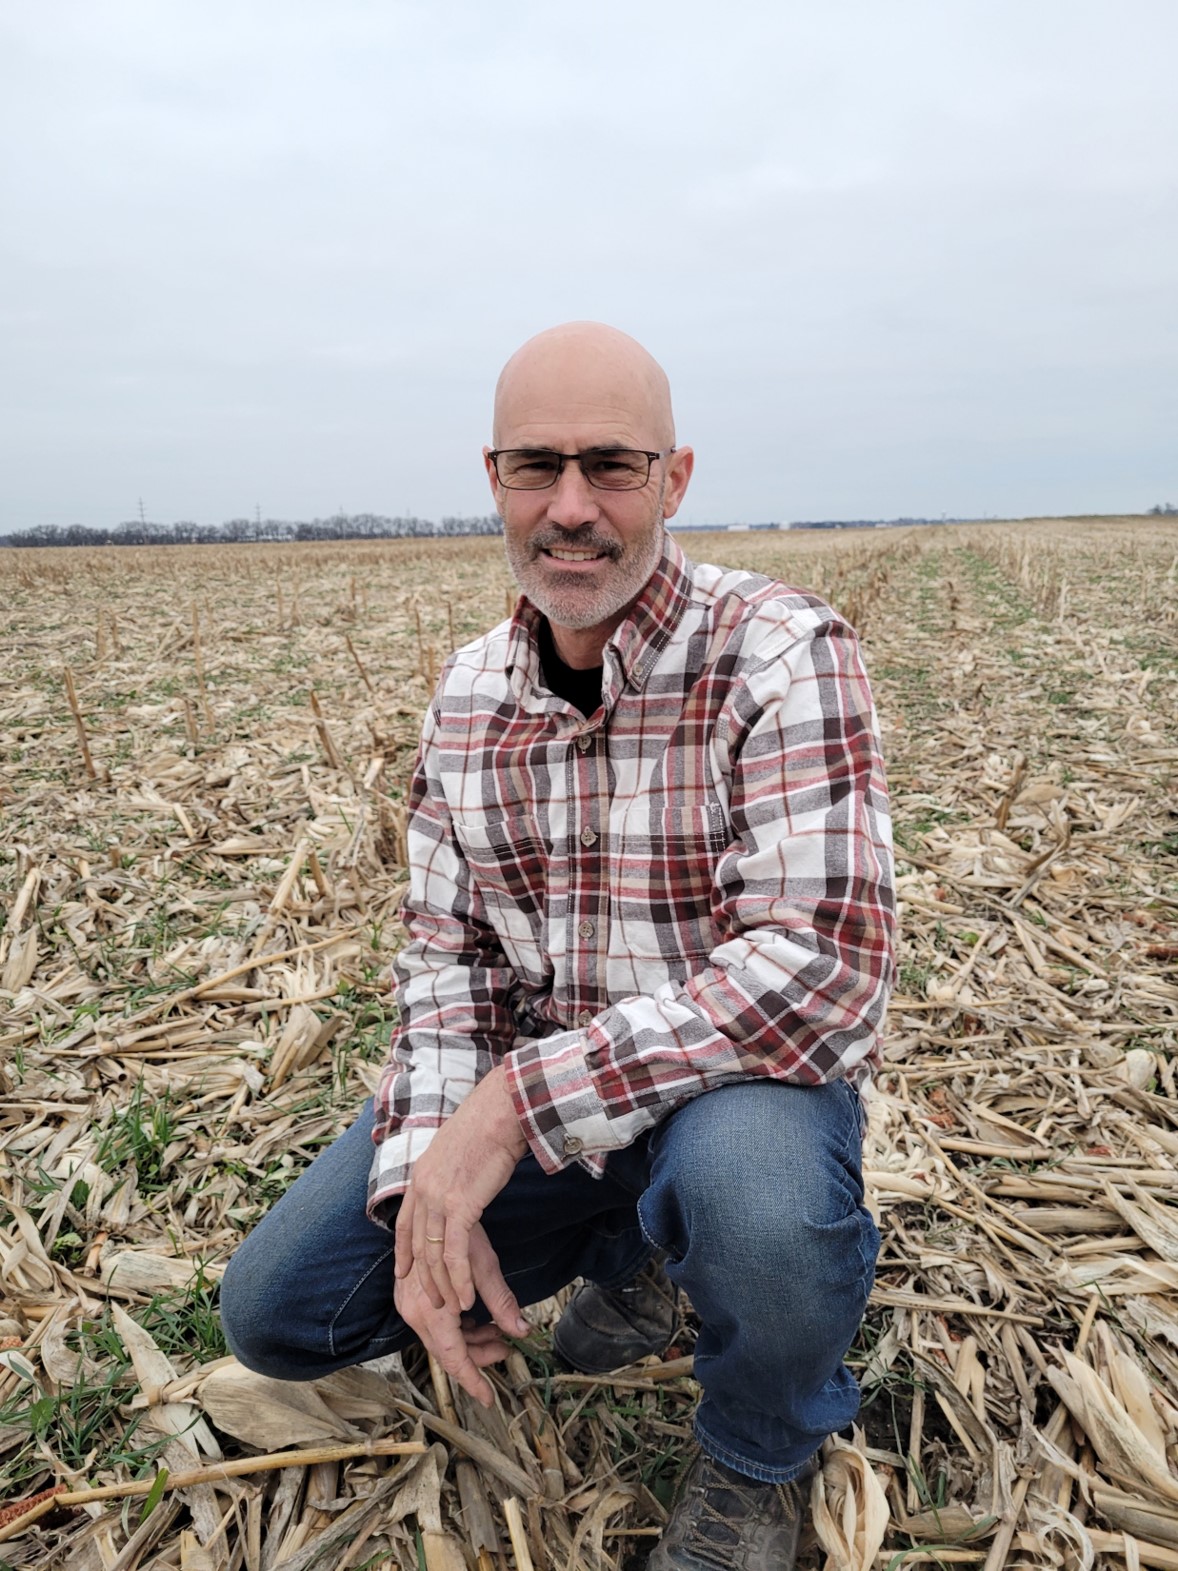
(573, 556)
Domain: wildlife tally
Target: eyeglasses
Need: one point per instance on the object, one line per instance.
(605, 468)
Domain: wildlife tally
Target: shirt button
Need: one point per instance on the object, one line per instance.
(584, 743)
(588, 837)
(585, 1017)
(572, 1146)
(586, 930)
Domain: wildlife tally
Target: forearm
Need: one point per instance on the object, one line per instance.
(434, 1069)
(764, 1007)
(453, 983)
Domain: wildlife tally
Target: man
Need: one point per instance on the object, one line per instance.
(650, 924)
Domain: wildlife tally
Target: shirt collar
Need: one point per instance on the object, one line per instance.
(638, 641)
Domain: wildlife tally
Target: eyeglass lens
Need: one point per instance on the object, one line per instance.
(615, 469)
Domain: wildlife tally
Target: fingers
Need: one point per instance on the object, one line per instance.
(488, 1278)
(437, 1246)
(451, 1351)
(484, 1353)
(431, 1231)
(465, 1164)
(478, 1337)
(462, 1350)
(413, 1247)
(460, 1353)
(451, 1270)
(403, 1234)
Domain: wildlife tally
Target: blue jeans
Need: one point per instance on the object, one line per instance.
(754, 1191)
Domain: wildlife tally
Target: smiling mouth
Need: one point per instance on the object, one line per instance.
(562, 554)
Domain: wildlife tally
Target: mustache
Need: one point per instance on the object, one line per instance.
(582, 539)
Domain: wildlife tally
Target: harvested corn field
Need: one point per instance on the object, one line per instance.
(204, 759)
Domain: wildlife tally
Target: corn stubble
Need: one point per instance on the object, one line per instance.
(202, 783)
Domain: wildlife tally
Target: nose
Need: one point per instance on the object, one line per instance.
(572, 501)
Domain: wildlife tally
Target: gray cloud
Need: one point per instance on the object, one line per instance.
(904, 259)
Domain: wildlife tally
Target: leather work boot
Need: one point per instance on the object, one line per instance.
(606, 1328)
(723, 1521)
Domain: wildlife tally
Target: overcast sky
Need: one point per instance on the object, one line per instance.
(904, 258)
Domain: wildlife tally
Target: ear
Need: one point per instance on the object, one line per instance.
(496, 489)
(679, 466)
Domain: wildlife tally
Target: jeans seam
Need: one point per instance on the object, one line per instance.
(866, 1220)
(655, 1243)
(851, 1157)
(854, 1137)
(356, 1286)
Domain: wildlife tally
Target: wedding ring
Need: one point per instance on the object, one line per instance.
(431, 1240)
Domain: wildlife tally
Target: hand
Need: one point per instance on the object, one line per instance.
(463, 1168)
(463, 1349)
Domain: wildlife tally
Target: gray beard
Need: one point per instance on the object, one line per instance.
(569, 608)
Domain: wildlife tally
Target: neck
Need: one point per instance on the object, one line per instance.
(582, 648)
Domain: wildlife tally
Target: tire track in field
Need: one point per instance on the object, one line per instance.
(1032, 757)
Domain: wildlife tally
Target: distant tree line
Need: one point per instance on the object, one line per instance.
(868, 523)
(342, 526)
(1164, 508)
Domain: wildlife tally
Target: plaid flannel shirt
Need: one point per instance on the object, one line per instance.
(690, 886)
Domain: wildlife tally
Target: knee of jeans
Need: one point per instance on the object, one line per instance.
(239, 1318)
(758, 1180)
(258, 1336)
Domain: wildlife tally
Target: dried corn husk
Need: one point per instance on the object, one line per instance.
(1118, 1442)
(140, 1271)
(270, 1414)
(849, 1507)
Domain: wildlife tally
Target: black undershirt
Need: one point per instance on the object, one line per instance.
(582, 689)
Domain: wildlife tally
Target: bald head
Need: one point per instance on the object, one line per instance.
(582, 549)
(584, 373)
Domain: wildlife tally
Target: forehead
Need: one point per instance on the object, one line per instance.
(551, 398)
(571, 427)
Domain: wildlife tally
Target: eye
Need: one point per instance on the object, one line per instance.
(528, 469)
(616, 467)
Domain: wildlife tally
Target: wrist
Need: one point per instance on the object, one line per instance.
(507, 1124)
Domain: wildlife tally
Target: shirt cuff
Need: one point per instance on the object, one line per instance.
(559, 1108)
(392, 1164)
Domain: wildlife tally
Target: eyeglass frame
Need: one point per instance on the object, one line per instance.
(495, 454)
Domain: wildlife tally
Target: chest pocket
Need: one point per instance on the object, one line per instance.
(665, 880)
(508, 864)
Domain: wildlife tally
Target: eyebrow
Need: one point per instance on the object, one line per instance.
(598, 447)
